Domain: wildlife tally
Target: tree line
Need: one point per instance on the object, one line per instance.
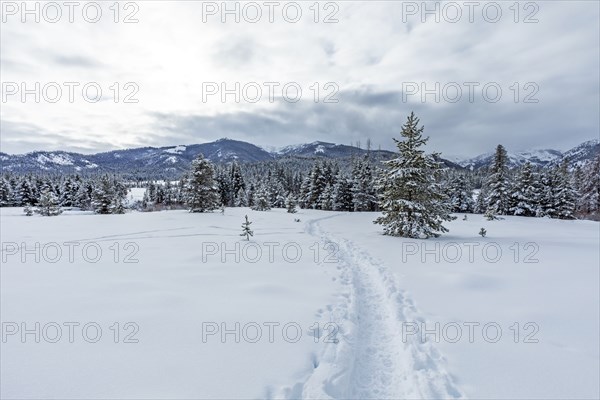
(413, 178)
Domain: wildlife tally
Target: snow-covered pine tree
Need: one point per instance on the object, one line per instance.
(4, 193)
(290, 203)
(26, 193)
(316, 186)
(250, 195)
(342, 194)
(84, 196)
(102, 196)
(304, 197)
(363, 186)
(460, 194)
(564, 196)
(68, 193)
(48, 204)
(108, 196)
(145, 200)
(589, 200)
(201, 191)
(238, 186)
(326, 198)
(223, 183)
(498, 198)
(413, 203)
(525, 196)
(547, 191)
(246, 231)
(261, 200)
(276, 193)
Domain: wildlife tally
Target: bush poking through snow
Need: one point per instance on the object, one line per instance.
(482, 232)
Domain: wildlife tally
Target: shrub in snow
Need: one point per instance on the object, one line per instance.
(489, 215)
(482, 232)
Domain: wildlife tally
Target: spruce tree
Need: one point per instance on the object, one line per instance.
(547, 193)
(413, 203)
(565, 196)
(342, 194)
(498, 198)
(238, 186)
(4, 193)
(326, 198)
(589, 201)
(48, 204)
(525, 196)
(460, 194)
(103, 196)
(316, 186)
(261, 200)
(26, 194)
(201, 191)
(290, 203)
(363, 186)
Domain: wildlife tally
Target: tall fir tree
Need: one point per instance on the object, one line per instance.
(498, 197)
(261, 200)
(342, 194)
(525, 194)
(201, 190)
(290, 203)
(589, 200)
(460, 194)
(363, 186)
(565, 196)
(413, 203)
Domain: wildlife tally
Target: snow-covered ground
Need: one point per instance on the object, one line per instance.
(327, 307)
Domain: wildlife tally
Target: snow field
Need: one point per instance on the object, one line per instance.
(202, 315)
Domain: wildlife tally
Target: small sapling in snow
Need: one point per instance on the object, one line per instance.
(246, 231)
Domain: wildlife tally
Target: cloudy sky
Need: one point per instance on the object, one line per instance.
(379, 60)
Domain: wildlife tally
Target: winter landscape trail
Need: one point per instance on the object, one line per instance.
(370, 359)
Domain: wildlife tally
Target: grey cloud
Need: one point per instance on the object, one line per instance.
(75, 61)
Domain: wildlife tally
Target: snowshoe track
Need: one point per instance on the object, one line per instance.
(371, 360)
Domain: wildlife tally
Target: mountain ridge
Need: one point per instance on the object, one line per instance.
(175, 159)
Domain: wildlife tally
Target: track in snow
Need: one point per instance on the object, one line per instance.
(371, 360)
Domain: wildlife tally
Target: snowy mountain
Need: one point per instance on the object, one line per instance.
(540, 158)
(581, 154)
(329, 150)
(173, 160)
(535, 157)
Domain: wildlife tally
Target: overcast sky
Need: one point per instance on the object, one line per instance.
(375, 61)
